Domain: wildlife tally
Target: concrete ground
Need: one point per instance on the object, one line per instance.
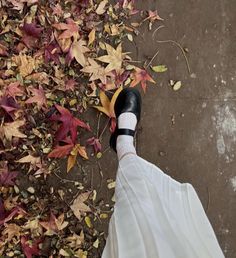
(191, 133)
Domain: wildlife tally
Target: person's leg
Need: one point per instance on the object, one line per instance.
(125, 143)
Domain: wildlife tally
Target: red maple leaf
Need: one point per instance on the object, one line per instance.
(141, 76)
(6, 216)
(51, 52)
(95, 142)
(30, 248)
(7, 178)
(39, 97)
(69, 124)
(9, 105)
(61, 151)
(70, 85)
(70, 28)
(31, 34)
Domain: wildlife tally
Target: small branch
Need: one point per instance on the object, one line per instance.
(181, 48)
(156, 30)
(98, 125)
(133, 61)
(208, 202)
(63, 179)
(104, 129)
(147, 66)
(106, 150)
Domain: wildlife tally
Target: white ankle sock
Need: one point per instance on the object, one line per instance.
(125, 143)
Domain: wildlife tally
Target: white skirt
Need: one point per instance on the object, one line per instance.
(157, 217)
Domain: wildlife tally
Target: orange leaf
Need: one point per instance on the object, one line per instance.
(61, 151)
(71, 162)
(141, 76)
(82, 151)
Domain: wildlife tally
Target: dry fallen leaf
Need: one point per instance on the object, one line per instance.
(114, 58)
(26, 64)
(177, 85)
(91, 36)
(11, 230)
(78, 49)
(101, 7)
(12, 129)
(79, 207)
(30, 159)
(96, 71)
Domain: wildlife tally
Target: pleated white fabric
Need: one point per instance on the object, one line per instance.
(157, 217)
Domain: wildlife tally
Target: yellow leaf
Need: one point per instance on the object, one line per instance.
(71, 162)
(88, 222)
(113, 100)
(103, 216)
(91, 36)
(114, 58)
(103, 110)
(105, 101)
(96, 243)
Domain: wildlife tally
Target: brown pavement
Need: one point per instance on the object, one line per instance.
(191, 133)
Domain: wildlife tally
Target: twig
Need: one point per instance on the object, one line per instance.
(133, 61)
(98, 125)
(208, 202)
(63, 179)
(156, 30)
(181, 48)
(100, 169)
(91, 180)
(107, 148)
(101, 175)
(147, 66)
(104, 129)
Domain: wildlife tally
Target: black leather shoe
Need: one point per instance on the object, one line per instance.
(129, 100)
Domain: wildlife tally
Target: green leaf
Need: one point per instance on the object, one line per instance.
(159, 68)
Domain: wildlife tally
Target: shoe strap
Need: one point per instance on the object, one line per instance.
(125, 132)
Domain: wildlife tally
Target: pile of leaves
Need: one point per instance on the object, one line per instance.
(57, 59)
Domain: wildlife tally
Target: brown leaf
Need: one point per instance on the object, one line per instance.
(30, 159)
(101, 7)
(71, 162)
(91, 36)
(77, 51)
(96, 71)
(54, 225)
(26, 64)
(79, 207)
(12, 129)
(11, 230)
